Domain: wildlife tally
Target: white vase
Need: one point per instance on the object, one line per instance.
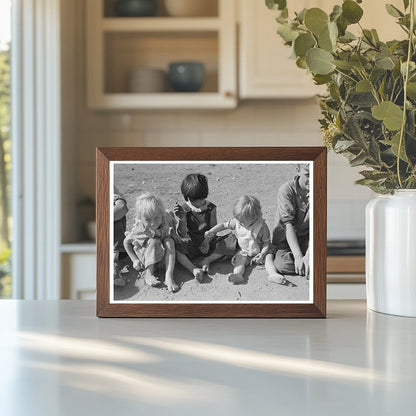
(391, 253)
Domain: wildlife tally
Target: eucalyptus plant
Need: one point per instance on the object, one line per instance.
(369, 111)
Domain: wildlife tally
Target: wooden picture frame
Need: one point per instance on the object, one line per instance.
(110, 161)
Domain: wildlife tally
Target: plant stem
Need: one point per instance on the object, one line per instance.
(405, 81)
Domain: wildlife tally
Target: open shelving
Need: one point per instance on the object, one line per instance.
(117, 45)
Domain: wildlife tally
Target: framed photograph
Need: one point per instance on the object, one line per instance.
(211, 232)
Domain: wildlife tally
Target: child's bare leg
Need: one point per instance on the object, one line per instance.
(237, 276)
(118, 278)
(205, 263)
(170, 265)
(185, 262)
(149, 276)
(272, 274)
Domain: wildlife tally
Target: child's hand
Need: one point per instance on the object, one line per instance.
(178, 210)
(136, 264)
(258, 259)
(299, 266)
(204, 246)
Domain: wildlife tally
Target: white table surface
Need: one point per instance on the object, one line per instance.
(57, 358)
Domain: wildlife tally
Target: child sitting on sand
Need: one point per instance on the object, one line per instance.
(149, 242)
(119, 216)
(252, 234)
(196, 216)
(290, 253)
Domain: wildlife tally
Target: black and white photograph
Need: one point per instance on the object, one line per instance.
(211, 231)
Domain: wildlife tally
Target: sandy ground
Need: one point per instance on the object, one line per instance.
(227, 182)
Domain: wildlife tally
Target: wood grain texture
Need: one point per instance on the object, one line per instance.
(317, 309)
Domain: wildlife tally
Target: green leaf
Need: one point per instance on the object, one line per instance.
(343, 145)
(325, 42)
(394, 143)
(321, 79)
(319, 61)
(411, 90)
(406, 4)
(345, 65)
(276, 4)
(336, 12)
(374, 175)
(358, 61)
(351, 11)
(393, 11)
(412, 67)
(363, 86)
(358, 160)
(303, 43)
(316, 20)
(384, 62)
(301, 63)
(368, 36)
(342, 25)
(375, 35)
(391, 114)
(333, 32)
(301, 15)
(287, 33)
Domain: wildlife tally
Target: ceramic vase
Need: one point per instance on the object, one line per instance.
(391, 253)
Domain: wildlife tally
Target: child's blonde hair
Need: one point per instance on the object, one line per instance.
(149, 206)
(247, 206)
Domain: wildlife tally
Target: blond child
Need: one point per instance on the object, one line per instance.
(252, 234)
(149, 242)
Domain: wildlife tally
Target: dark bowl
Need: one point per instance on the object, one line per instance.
(135, 8)
(186, 76)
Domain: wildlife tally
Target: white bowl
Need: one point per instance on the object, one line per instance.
(147, 80)
(191, 8)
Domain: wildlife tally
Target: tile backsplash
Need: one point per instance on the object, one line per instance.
(254, 123)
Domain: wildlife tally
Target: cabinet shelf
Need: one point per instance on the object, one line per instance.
(160, 24)
(196, 100)
(118, 46)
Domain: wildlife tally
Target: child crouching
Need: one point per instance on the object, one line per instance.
(149, 241)
(252, 232)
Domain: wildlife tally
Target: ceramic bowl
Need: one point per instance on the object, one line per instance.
(191, 8)
(135, 8)
(92, 230)
(186, 76)
(147, 80)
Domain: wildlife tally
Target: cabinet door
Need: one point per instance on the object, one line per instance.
(265, 68)
(78, 276)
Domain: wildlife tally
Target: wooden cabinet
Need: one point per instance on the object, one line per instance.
(78, 263)
(265, 70)
(118, 45)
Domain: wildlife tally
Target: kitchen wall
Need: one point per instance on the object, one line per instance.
(253, 123)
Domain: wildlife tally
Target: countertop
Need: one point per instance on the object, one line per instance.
(57, 358)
